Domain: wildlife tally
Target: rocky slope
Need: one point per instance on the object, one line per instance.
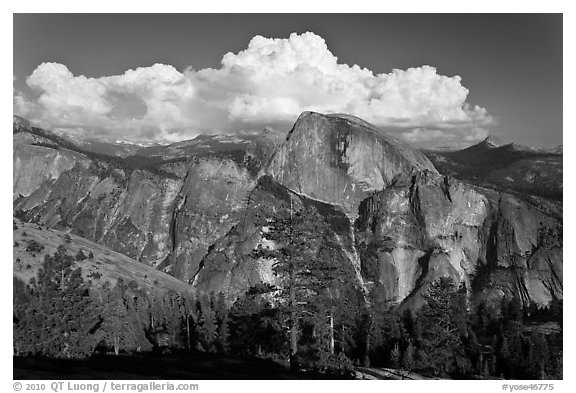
(195, 208)
(418, 229)
(36, 159)
(105, 266)
(340, 159)
(508, 167)
(398, 232)
(429, 226)
(161, 209)
(229, 266)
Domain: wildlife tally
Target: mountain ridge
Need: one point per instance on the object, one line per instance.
(340, 160)
(198, 222)
(507, 167)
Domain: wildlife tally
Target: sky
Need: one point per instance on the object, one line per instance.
(432, 79)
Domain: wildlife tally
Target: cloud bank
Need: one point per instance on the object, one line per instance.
(269, 83)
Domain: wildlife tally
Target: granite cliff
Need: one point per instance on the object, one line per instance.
(194, 209)
(400, 225)
(340, 159)
(163, 206)
(492, 243)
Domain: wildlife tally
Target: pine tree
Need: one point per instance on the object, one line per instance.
(539, 355)
(114, 316)
(121, 328)
(172, 321)
(80, 256)
(330, 289)
(190, 321)
(395, 356)
(21, 297)
(443, 320)
(387, 330)
(255, 325)
(59, 314)
(297, 235)
(516, 364)
(408, 362)
(512, 310)
(207, 324)
(219, 306)
(503, 356)
(138, 312)
(315, 284)
(222, 320)
(223, 337)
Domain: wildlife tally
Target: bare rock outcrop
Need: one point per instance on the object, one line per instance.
(194, 209)
(340, 159)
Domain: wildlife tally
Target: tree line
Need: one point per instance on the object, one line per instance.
(314, 319)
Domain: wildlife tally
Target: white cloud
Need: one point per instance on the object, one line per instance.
(64, 93)
(455, 137)
(271, 81)
(22, 106)
(418, 135)
(98, 105)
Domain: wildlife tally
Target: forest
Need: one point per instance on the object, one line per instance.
(314, 321)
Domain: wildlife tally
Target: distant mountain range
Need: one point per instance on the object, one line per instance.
(509, 167)
(488, 216)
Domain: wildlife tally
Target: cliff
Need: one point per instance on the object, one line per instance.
(427, 226)
(400, 224)
(194, 209)
(340, 159)
(163, 207)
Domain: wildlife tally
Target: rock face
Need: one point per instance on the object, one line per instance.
(429, 226)
(128, 213)
(414, 227)
(230, 268)
(104, 266)
(207, 205)
(36, 159)
(341, 159)
(507, 167)
(194, 209)
(165, 215)
(418, 229)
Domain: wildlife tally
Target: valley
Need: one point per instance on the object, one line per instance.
(508, 167)
(189, 225)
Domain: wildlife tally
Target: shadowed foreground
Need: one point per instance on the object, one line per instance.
(178, 366)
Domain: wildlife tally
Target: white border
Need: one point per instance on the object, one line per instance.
(304, 6)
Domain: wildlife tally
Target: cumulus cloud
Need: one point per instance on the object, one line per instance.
(269, 83)
(109, 105)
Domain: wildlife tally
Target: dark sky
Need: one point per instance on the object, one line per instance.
(511, 63)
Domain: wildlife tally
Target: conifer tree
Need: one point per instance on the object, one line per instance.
(298, 237)
(59, 314)
(408, 362)
(120, 328)
(80, 256)
(222, 321)
(442, 318)
(539, 355)
(223, 337)
(395, 356)
(188, 308)
(207, 324)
